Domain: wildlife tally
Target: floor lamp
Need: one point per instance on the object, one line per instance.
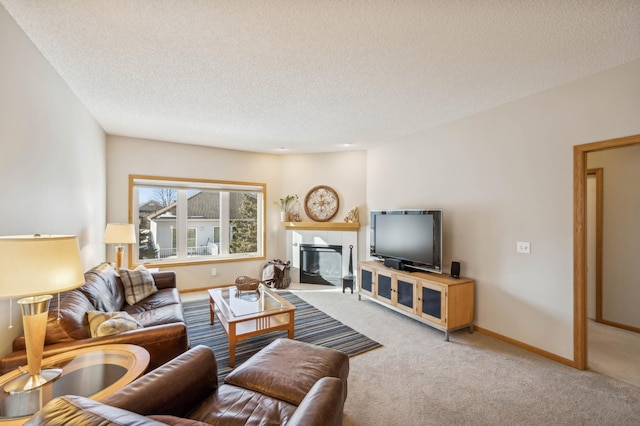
(119, 234)
(32, 266)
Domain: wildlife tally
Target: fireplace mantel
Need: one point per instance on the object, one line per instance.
(322, 226)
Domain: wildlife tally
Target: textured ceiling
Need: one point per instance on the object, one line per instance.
(313, 75)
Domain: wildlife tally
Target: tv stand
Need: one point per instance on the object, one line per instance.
(444, 303)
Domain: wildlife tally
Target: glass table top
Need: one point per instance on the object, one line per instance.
(84, 372)
(245, 303)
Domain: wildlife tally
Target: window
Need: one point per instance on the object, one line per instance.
(216, 235)
(192, 248)
(185, 221)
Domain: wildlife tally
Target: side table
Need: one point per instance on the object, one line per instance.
(347, 282)
(95, 372)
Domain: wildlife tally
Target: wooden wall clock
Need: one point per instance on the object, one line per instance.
(321, 203)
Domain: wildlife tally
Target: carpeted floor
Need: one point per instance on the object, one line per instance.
(311, 326)
(417, 378)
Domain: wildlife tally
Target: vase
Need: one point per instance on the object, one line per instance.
(285, 216)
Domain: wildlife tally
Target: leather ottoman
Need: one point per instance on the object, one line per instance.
(290, 368)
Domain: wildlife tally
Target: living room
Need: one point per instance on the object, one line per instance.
(501, 175)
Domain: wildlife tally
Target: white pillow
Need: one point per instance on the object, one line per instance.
(110, 323)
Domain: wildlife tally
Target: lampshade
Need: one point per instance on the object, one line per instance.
(39, 264)
(120, 233)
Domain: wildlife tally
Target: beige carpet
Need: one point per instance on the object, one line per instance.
(417, 378)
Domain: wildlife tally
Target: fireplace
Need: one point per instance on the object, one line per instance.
(321, 264)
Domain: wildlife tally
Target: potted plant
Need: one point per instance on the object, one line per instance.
(285, 206)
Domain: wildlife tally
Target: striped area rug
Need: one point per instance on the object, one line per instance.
(312, 326)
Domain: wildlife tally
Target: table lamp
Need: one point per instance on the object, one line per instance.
(33, 265)
(119, 234)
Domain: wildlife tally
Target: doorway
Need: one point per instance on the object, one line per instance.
(580, 311)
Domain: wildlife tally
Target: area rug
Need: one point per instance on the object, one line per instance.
(311, 326)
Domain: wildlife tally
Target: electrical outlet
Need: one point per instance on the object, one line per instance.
(523, 247)
(214, 272)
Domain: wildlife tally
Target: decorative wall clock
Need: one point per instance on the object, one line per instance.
(321, 203)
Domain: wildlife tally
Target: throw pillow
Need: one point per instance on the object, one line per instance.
(110, 323)
(138, 284)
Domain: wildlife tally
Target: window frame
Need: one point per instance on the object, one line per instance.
(200, 185)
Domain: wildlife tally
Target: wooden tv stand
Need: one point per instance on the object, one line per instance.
(436, 300)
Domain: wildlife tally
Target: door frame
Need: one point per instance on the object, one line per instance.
(580, 240)
(598, 176)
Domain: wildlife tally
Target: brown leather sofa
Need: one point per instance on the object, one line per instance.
(288, 382)
(164, 332)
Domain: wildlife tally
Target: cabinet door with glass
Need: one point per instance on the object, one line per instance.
(432, 302)
(406, 291)
(367, 282)
(385, 286)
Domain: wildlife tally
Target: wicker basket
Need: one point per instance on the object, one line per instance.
(247, 283)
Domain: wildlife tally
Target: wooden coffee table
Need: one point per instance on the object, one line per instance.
(247, 314)
(95, 372)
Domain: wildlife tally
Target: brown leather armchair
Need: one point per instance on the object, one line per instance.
(186, 391)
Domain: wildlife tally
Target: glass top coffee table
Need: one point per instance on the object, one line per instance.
(94, 372)
(244, 314)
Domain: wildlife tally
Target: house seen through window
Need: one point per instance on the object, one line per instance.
(180, 220)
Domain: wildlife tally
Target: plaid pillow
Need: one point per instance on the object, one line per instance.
(138, 284)
(109, 323)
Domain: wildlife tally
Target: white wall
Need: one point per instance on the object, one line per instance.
(282, 174)
(52, 167)
(506, 175)
(621, 233)
(344, 172)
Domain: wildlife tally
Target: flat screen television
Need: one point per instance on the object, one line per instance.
(411, 239)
